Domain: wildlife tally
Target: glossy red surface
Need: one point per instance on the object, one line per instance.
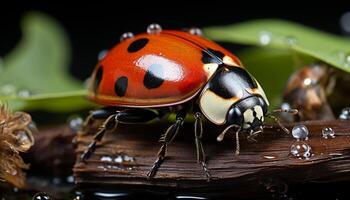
(178, 53)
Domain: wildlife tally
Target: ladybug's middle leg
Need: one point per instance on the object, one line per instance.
(198, 131)
(166, 139)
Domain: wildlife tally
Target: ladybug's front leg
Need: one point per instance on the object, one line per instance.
(109, 124)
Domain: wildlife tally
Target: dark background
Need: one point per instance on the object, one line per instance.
(98, 26)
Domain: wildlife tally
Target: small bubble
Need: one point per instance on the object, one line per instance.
(269, 157)
(195, 31)
(347, 59)
(75, 123)
(8, 89)
(286, 116)
(23, 93)
(106, 159)
(126, 36)
(12, 171)
(118, 159)
(328, 133)
(154, 28)
(70, 179)
(301, 150)
(24, 140)
(300, 132)
(102, 54)
(264, 38)
(345, 22)
(290, 40)
(41, 196)
(345, 114)
(128, 158)
(102, 167)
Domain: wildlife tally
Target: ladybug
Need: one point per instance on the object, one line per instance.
(150, 75)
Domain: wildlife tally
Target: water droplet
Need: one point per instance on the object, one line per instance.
(123, 158)
(108, 195)
(286, 116)
(11, 170)
(102, 167)
(24, 140)
(301, 150)
(23, 93)
(75, 122)
(328, 133)
(347, 59)
(187, 197)
(102, 54)
(345, 114)
(345, 22)
(300, 132)
(106, 159)
(269, 157)
(8, 89)
(126, 36)
(154, 28)
(128, 158)
(41, 196)
(290, 40)
(70, 179)
(265, 37)
(195, 31)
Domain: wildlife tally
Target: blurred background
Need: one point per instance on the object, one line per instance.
(94, 27)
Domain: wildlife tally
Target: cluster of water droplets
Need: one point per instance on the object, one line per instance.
(300, 149)
(118, 162)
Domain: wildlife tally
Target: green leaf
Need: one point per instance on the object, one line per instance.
(272, 68)
(35, 74)
(280, 34)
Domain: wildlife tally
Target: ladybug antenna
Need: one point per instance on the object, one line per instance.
(274, 112)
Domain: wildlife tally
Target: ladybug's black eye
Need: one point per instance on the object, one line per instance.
(234, 116)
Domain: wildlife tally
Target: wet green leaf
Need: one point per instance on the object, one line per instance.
(35, 74)
(279, 34)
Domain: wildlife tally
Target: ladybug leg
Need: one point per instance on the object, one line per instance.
(198, 131)
(109, 124)
(130, 116)
(166, 139)
(103, 113)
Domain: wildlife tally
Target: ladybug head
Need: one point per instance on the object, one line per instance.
(233, 97)
(248, 113)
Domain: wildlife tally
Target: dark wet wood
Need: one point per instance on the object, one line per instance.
(259, 163)
(53, 152)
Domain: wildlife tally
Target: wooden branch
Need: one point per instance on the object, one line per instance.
(258, 162)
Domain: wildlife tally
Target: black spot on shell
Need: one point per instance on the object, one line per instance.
(98, 78)
(229, 83)
(154, 76)
(212, 56)
(121, 85)
(137, 45)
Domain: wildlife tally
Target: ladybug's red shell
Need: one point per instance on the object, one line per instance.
(154, 70)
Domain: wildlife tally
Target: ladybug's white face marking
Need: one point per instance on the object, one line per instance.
(229, 61)
(252, 116)
(214, 107)
(210, 68)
